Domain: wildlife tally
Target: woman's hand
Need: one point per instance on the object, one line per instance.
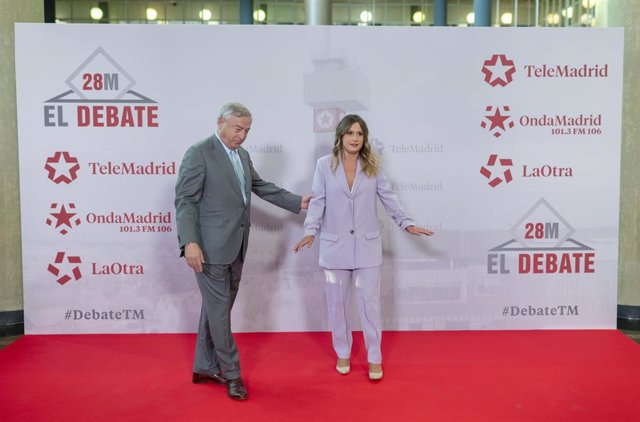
(306, 241)
(419, 231)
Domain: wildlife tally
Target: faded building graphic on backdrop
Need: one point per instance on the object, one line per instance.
(333, 89)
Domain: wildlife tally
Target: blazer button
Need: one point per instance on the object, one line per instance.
(352, 232)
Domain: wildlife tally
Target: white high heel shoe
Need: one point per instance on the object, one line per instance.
(375, 371)
(343, 367)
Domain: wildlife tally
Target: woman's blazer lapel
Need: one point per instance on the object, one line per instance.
(341, 175)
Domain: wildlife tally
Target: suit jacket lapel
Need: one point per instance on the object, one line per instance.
(358, 178)
(223, 162)
(341, 176)
(244, 159)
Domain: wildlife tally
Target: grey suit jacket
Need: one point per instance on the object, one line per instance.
(209, 206)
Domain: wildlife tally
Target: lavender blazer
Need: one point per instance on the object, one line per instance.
(347, 221)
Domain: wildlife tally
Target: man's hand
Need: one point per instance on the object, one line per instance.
(419, 231)
(306, 241)
(305, 202)
(193, 256)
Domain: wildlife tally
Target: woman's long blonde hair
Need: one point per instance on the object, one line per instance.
(368, 159)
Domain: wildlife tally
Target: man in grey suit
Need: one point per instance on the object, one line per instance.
(213, 201)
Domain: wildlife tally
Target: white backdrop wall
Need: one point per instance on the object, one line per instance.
(505, 142)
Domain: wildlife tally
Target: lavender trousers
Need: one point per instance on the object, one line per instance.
(338, 286)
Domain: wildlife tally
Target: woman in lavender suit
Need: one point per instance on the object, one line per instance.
(343, 212)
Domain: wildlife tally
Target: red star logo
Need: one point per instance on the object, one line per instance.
(506, 173)
(498, 121)
(498, 70)
(63, 217)
(62, 171)
(59, 262)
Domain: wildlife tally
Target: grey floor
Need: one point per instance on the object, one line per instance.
(633, 335)
(5, 341)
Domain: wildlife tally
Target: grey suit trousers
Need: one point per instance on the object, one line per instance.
(216, 349)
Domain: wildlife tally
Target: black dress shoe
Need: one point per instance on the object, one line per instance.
(236, 390)
(203, 378)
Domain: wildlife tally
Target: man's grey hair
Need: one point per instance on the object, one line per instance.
(234, 109)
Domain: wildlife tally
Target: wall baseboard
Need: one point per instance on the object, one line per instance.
(629, 317)
(11, 323)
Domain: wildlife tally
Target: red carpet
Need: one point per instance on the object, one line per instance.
(429, 376)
